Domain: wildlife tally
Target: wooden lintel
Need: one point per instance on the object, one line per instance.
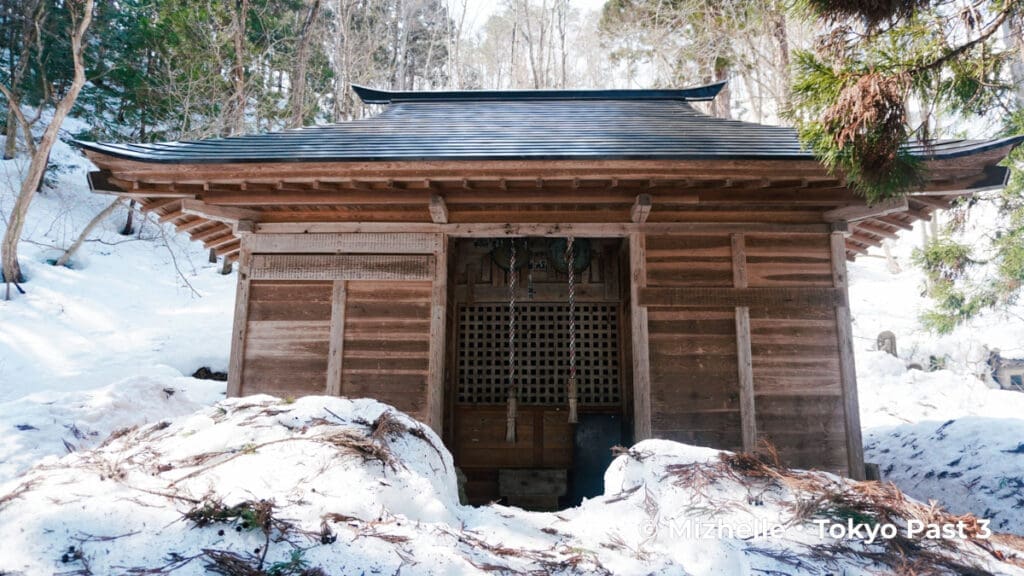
(438, 209)
(799, 296)
(225, 214)
(245, 227)
(641, 209)
(580, 230)
(854, 213)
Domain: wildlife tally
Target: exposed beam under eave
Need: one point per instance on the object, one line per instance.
(876, 229)
(931, 201)
(854, 213)
(224, 214)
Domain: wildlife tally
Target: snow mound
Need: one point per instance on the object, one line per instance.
(46, 423)
(327, 485)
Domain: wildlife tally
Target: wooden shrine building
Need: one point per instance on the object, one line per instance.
(708, 263)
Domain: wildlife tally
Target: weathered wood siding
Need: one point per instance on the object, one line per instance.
(287, 337)
(794, 351)
(694, 383)
(387, 344)
(324, 314)
(798, 397)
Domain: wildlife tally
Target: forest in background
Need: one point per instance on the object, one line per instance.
(857, 80)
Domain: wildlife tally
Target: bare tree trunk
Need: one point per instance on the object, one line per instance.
(103, 215)
(35, 12)
(238, 17)
(10, 143)
(298, 92)
(722, 104)
(16, 223)
(782, 41)
(129, 226)
(1013, 35)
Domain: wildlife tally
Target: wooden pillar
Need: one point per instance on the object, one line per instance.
(847, 369)
(336, 347)
(438, 317)
(640, 339)
(744, 357)
(236, 363)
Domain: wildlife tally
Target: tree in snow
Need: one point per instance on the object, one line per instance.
(80, 12)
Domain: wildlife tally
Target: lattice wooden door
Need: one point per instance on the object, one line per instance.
(542, 344)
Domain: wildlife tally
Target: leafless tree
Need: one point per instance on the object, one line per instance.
(81, 17)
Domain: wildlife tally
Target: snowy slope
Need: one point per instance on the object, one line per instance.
(91, 348)
(354, 487)
(945, 435)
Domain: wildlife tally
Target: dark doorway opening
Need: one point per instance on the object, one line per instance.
(552, 463)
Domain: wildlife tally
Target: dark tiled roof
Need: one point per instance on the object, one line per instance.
(515, 125)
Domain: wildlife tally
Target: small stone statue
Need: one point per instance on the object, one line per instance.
(886, 342)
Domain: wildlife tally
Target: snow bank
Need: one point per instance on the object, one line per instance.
(336, 486)
(50, 423)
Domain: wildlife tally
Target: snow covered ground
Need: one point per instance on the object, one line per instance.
(358, 488)
(111, 342)
(943, 435)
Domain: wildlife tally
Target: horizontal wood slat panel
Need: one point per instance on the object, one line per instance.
(287, 337)
(797, 296)
(480, 438)
(361, 243)
(386, 349)
(341, 267)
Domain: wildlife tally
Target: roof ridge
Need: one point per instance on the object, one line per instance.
(694, 94)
